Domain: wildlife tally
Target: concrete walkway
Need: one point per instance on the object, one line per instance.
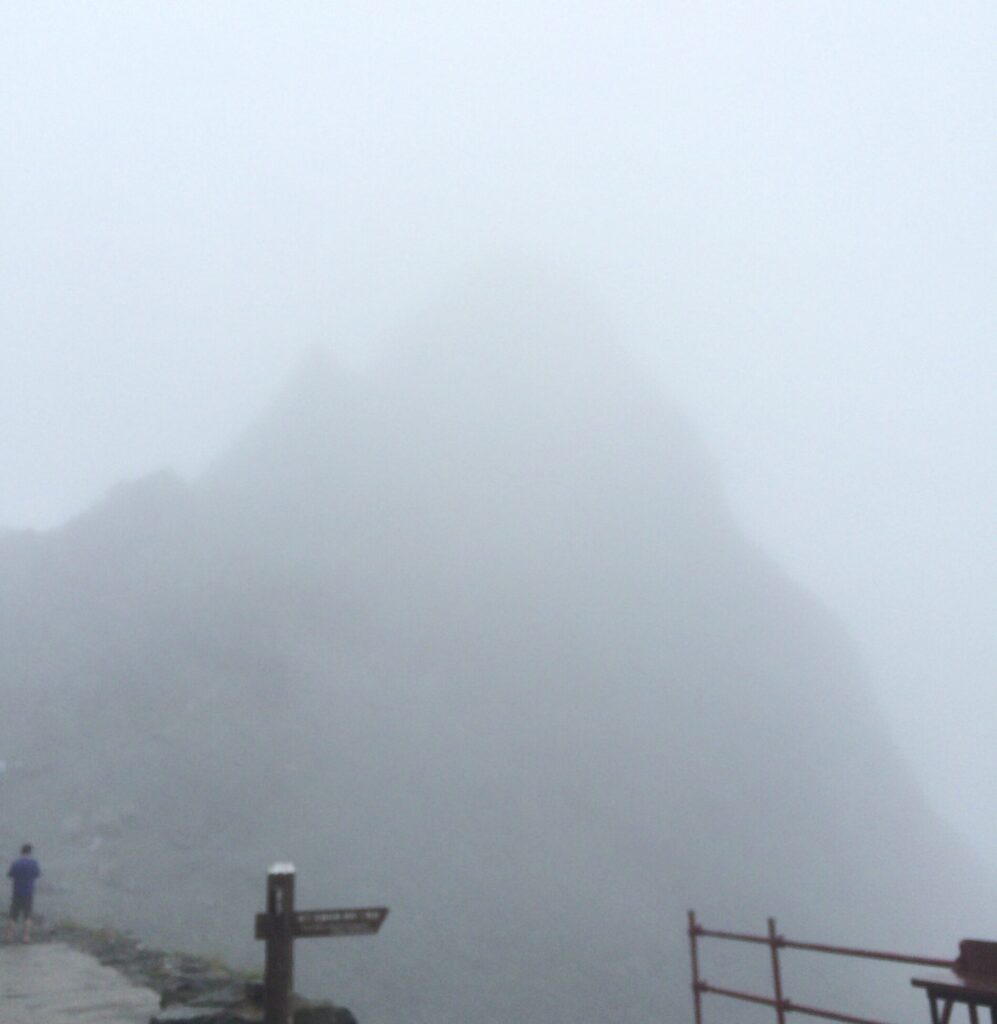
(48, 983)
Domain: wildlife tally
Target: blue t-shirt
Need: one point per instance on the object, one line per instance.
(24, 871)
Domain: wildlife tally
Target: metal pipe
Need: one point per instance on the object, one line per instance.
(813, 1011)
(869, 954)
(774, 943)
(782, 1005)
(814, 947)
(787, 1005)
(697, 998)
(736, 936)
(748, 997)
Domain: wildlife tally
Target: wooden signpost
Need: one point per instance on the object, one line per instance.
(281, 924)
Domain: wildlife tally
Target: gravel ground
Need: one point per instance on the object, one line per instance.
(48, 983)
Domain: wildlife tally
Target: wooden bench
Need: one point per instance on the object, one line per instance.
(973, 981)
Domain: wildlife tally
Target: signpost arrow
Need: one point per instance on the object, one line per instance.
(281, 924)
(314, 924)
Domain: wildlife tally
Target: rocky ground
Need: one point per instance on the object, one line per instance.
(52, 983)
(191, 989)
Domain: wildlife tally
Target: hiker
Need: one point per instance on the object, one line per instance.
(23, 872)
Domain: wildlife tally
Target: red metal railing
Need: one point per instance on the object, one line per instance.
(777, 1000)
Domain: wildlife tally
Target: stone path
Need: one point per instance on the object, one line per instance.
(49, 983)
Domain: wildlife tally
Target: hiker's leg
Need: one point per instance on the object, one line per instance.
(27, 929)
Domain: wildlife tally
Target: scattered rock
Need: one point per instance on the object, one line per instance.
(185, 1015)
(191, 985)
(254, 992)
(228, 993)
(323, 1013)
(192, 989)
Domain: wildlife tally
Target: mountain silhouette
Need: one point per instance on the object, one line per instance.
(473, 633)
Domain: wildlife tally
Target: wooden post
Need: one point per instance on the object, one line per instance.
(280, 924)
(278, 973)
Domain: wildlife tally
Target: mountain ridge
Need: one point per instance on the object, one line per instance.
(487, 646)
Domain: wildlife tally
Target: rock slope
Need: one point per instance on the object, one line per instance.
(474, 635)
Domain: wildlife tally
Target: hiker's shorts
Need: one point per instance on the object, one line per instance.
(20, 906)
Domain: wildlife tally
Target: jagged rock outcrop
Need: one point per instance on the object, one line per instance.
(473, 634)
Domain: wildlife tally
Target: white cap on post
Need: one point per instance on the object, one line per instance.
(281, 868)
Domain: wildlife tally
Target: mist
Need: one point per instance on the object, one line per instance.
(669, 280)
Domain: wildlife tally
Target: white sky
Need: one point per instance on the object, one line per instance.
(788, 209)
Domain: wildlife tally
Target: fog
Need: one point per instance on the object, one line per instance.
(775, 221)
